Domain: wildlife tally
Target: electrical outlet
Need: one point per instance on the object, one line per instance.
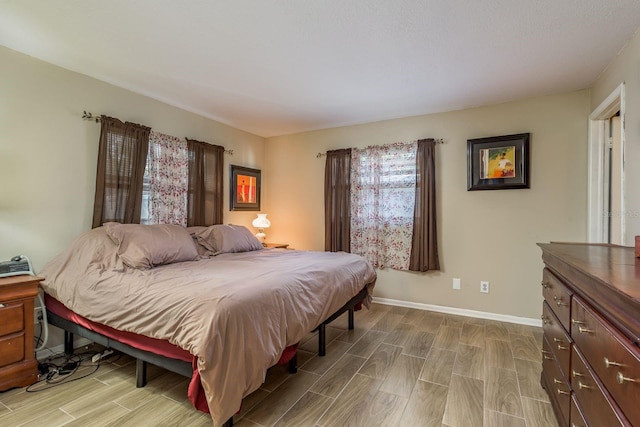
(484, 287)
(456, 283)
(37, 315)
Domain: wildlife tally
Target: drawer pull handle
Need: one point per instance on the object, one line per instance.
(557, 340)
(585, 330)
(622, 379)
(3, 305)
(608, 363)
(556, 298)
(544, 284)
(557, 381)
(563, 392)
(547, 357)
(544, 320)
(560, 347)
(576, 374)
(559, 303)
(581, 386)
(576, 322)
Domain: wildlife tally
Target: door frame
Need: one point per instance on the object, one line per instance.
(598, 137)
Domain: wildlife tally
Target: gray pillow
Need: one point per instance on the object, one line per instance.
(226, 238)
(145, 246)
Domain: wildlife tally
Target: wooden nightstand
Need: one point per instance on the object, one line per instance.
(276, 245)
(18, 364)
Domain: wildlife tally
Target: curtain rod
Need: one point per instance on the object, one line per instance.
(88, 116)
(438, 141)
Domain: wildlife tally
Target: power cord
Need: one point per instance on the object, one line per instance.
(53, 374)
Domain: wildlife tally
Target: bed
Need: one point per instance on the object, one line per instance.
(229, 314)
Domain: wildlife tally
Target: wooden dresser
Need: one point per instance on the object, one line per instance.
(591, 322)
(18, 365)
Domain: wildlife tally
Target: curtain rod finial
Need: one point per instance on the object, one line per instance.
(89, 116)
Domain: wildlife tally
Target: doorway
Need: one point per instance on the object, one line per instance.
(606, 170)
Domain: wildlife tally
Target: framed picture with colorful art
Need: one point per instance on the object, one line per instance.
(244, 189)
(498, 162)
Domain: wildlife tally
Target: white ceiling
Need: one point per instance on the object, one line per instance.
(275, 67)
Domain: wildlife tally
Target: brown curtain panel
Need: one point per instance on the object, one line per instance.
(424, 245)
(337, 201)
(122, 157)
(204, 199)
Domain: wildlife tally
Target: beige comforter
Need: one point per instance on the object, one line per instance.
(235, 312)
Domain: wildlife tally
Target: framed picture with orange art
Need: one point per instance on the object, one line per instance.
(244, 189)
(498, 162)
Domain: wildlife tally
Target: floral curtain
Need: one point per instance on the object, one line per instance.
(383, 186)
(166, 178)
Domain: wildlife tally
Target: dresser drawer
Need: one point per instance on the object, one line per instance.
(595, 402)
(613, 357)
(556, 385)
(559, 340)
(11, 349)
(577, 418)
(11, 317)
(558, 296)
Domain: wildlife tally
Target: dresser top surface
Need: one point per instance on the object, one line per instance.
(19, 280)
(615, 266)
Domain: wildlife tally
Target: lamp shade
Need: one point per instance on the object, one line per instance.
(261, 221)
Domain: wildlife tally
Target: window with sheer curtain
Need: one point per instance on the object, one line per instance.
(380, 202)
(383, 182)
(148, 177)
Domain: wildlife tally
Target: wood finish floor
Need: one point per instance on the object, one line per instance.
(399, 367)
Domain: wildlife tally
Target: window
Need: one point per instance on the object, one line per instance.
(380, 203)
(383, 187)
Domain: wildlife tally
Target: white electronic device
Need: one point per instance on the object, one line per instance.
(19, 264)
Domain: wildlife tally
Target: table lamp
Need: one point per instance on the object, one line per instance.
(261, 222)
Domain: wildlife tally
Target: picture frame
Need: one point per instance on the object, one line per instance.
(244, 189)
(498, 162)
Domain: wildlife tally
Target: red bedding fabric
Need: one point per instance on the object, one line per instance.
(195, 392)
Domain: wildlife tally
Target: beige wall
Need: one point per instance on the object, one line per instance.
(48, 154)
(483, 235)
(625, 68)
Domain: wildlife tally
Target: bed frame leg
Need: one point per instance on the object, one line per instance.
(293, 364)
(68, 343)
(141, 373)
(351, 321)
(322, 340)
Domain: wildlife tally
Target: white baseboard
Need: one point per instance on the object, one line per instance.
(50, 351)
(460, 311)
